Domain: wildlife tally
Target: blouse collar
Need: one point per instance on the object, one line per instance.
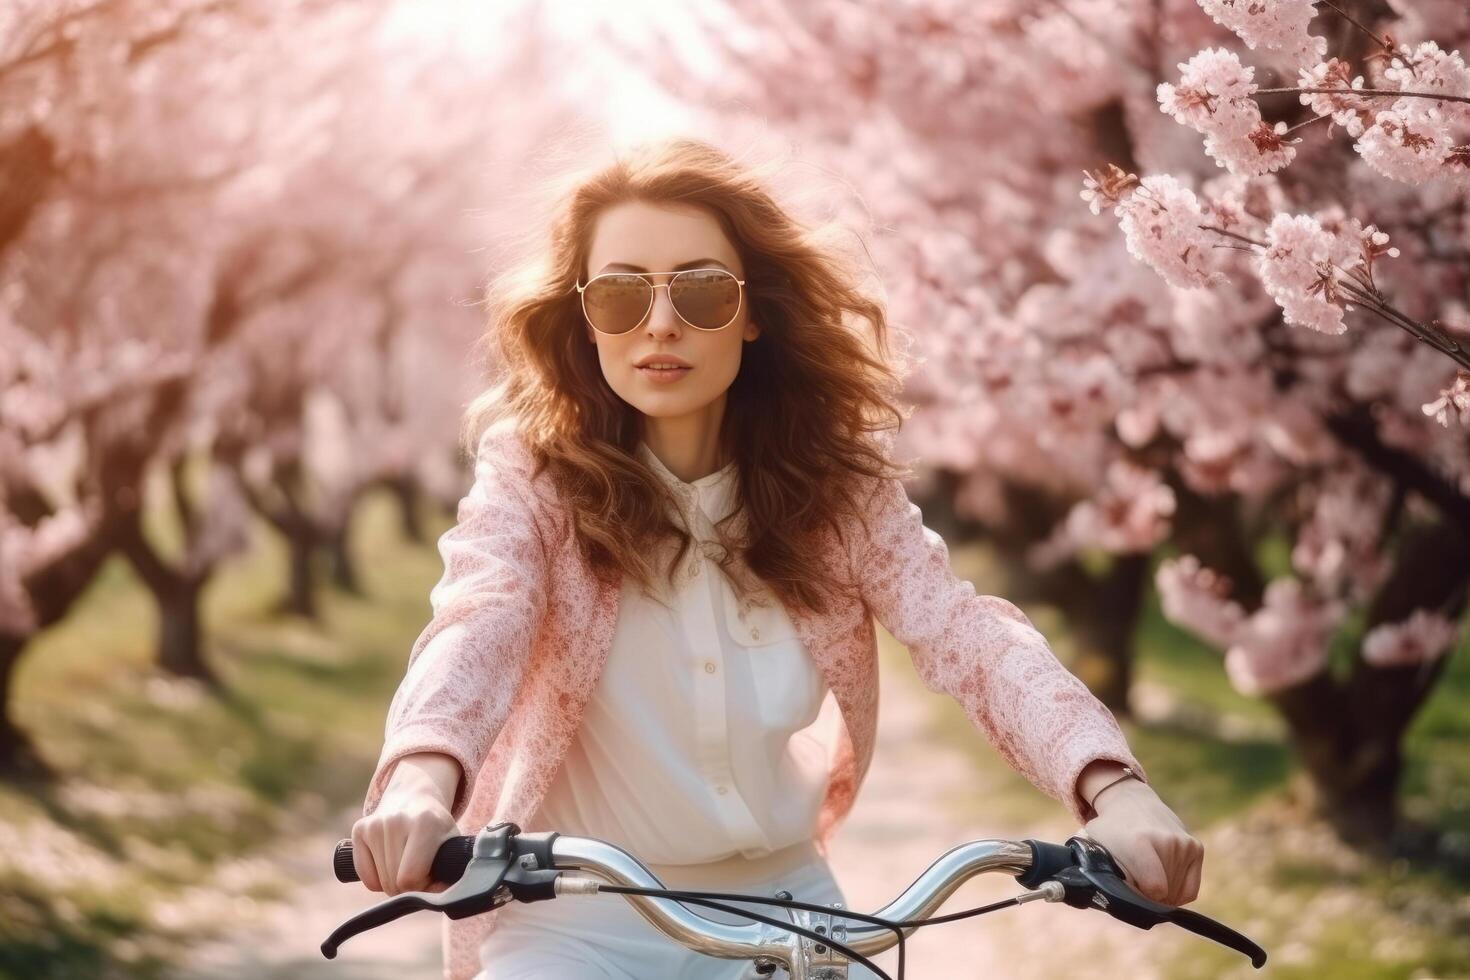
(714, 493)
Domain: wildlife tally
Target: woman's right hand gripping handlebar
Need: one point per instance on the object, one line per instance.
(393, 847)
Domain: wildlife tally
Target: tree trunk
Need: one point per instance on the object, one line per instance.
(339, 561)
(180, 650)
(301, 596)
(406, 491)
(1104, 620)
(1350, 771)
(18, 755)
(1358, 796)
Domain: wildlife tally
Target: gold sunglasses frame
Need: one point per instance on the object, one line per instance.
(582, 292)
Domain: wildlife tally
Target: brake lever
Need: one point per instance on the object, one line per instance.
(479, 889)
(1111, 893)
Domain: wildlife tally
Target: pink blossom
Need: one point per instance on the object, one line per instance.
(1340, 542)
(1296, 270)
(1454, 400)
(1284, 643)
(1132, 512)
(1351, 112)
(1213, 94)
(1161, 224)
(1411, 145)
(1198, 599)
(1420, 639)
(1426, 68)
(1353, 244)
(1276, 25)
(1106, 188)
(1214, 97)
(1261, 151)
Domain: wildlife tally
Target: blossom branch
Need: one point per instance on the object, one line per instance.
(1380, 41)
(1304, 123)
(1365, 295)
(1366, 91)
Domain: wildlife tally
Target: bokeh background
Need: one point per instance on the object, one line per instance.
(243, 246)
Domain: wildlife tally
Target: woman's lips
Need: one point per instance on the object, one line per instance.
(663, 376)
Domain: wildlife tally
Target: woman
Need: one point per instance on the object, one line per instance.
(681, 527)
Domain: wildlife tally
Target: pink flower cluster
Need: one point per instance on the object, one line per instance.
(1214, 98)
(1297, 270)
(1427, 68)
(1452, 400)
(1413, 140)
(1338, 547)
(1198, 599)
(1276, 25)
(1411, 145)
(1284, 643)
(1161, 224)
(1131, 513)
(1420, 639)
(1352, 112)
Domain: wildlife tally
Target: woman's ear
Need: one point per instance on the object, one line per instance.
(752, 330)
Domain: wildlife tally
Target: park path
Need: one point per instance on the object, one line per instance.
(919, 799)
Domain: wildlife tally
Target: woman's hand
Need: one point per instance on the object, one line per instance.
(393, 848)
(1148, 841)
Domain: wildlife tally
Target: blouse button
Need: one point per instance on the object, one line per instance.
(722, 790)
(755, 634)
(709, 667)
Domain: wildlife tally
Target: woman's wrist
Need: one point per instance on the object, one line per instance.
(1100, 776)
(1122, 789)
(425, 774)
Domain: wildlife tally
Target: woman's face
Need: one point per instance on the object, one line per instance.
(636, 236)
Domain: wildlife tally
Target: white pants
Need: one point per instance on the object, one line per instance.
(602, 937)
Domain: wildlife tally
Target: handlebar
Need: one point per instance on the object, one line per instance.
(501, 864)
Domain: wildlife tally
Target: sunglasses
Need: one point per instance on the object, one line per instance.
(706, 299)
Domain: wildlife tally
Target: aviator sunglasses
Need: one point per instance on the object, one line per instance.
(706, 299)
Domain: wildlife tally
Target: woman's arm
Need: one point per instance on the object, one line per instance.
(983, 651)
(467, 664)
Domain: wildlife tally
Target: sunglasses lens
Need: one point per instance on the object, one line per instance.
(617, 303)
(707, 298)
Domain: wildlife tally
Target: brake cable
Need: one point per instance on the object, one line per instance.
(706, 899)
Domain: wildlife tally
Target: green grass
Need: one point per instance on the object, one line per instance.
(157, 791)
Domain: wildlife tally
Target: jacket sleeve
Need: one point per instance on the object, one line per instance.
(467, 664)
(985, 653)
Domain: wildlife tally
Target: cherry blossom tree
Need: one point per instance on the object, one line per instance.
(84, 392)
(238, 280)
(1085, 410)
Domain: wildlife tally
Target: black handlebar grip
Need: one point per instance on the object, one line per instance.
(450, 861)
(1046, 860)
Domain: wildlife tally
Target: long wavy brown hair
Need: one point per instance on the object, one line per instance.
(800, 416)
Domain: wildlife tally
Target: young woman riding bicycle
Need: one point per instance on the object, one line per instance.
(683, 523)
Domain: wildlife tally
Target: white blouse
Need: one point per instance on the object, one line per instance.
(702, 739)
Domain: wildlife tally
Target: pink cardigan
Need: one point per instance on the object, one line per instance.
(521, 628)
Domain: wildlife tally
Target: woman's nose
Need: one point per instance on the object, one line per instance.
(662, 320)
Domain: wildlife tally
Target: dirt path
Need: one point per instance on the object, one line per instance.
(284, 940)
(918, 801)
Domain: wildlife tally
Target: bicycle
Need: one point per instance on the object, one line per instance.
(501, 864)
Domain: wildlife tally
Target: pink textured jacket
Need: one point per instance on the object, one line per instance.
(521, 629)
